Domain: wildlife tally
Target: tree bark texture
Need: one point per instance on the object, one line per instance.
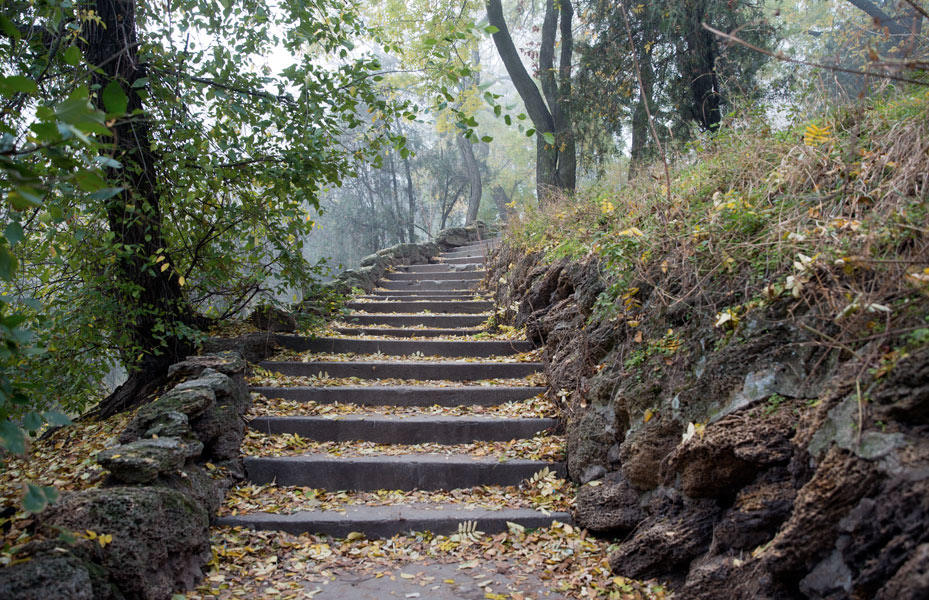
(135, 217)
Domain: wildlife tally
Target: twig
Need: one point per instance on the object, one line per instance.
(648, 111)
(918, 8)
(783, 57)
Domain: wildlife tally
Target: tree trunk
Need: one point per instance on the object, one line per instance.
(474, 177)
(698, 67)
(158, 307)
(502, 201)
(555, 163)
(639, 152)
(411, 199)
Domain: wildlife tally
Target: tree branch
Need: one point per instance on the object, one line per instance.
(880, 17)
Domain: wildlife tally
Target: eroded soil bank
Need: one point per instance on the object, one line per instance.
(733, 462)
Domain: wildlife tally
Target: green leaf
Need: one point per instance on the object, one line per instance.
(141, 82)
(76, 110)
(56, 418)
(549, 137)
(7, 27)
(487, 139)
(14, 233)
(32, 421)
(17, 84)
(114, 98)
(72, 56)
(36, 499)
(7, 264)
(490, 29)
(530, 132)
(105, 193)
(12, 437)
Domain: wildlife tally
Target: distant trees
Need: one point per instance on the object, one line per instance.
(687, 74)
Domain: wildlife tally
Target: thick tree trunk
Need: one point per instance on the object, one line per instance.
(555, 163)
(474, 177)
(158, 307)
(698, 66)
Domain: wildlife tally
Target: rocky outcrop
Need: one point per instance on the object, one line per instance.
(731, 464)
(145, 532)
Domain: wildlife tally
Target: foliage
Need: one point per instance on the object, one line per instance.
(244, 146)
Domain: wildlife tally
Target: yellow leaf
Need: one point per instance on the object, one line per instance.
(648, 415)
(355, 535)
(159, 259)
(632, 231)
(181, 281)
(164, 267)
(105, 539)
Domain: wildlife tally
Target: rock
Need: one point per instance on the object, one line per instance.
(221, 429)
(610, 507)
(227, 363)
(169, 424)
(144, 460)
(590, 435)
(911, 581)
(645, 448)
(192, 402)
(731, 452)
(592, 472)
(60, 576)
(905, 393)
(757, 513)
(160, 536)
(254, 347)
(665, 543)
(269, 318)
(807, 537)
(831, 578)
(228, 390)
(196, 483)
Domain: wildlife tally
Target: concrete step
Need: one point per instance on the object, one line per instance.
(407, 369)
(448, 284)
(403, 395)
(439, 267)
(469, 294)
(478, 253)
(420, 319)
(435, 275)
(448, 307)
(387, 521)
(461, 260)
(412, 429)
(419, 297)
(461, 348)
(404, 333)
(402, 472)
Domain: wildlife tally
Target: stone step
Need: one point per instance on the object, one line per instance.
(461, 260)
(419, 297)
(417, 319)
(451, 294)
(478, 253)
(403, 395)
(412, 429)
(406, 369)
(397, 332)
(447, 307)
(435, 276)
(439, 267)
(461, 348)
(387, 521)
(448, 284)
(401, 472)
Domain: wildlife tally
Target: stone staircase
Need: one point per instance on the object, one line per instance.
(422, 301)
